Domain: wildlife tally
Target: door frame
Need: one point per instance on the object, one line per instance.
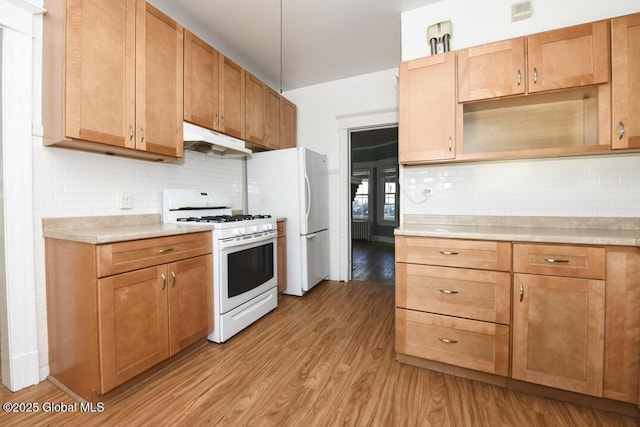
(346, 124)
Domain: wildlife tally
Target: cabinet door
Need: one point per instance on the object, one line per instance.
(491, 70)
(427, 109)
(255, 108)
(287, 123)
(569, 57)
(200, 82)
(232, 98)
(625, 55)
(282, 256)
(190, 285)
(558, 332)
(622, 323)
(100, 71)
(132, 324)
(272, 118)
(159, 82)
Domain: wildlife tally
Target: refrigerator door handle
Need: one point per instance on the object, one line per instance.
(306, 179)
(310, 236)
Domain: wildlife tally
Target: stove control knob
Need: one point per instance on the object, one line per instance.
(243, 230)
(268, 226)
(254, 228)
(236, 232)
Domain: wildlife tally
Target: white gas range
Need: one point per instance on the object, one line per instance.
(244, 257)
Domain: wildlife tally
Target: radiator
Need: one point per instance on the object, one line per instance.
(361, 230)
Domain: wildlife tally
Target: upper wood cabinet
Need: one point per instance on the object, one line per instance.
(262, 113)
(288, 112)
(427, 109)
(492, 70)
(272, 118)
(214, 88)
(568, 57)
(159, 82)
(232, 98)
(201, 82)
(625, 81)
(255, 110)
(115, 68)
(559, 59)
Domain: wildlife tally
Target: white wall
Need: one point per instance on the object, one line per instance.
(478, 22)
(321, 110)
(577, 186)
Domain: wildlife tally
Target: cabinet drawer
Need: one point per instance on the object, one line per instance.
(484, 255)
(282, 228)
(132, 255)
(467, 343)
(558, 260)
(473, 294)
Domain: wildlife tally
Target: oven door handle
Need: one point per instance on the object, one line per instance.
(247, 240)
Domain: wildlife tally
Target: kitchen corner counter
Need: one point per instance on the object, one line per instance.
(573, 230)
(117, 228)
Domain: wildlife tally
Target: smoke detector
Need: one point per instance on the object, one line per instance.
(521, 10)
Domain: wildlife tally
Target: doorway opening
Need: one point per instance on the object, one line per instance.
(374, 201)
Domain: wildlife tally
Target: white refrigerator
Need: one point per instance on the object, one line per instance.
(293, 183)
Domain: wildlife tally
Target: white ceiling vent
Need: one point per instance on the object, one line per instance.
(521, 10)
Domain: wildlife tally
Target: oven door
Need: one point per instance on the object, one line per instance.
(247, 269)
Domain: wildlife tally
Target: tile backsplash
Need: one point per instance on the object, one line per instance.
(605, 186)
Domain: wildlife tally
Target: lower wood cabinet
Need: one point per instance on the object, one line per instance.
(282, 256)
(116, 310)
(558, 315)
(558, 332)
(467, 343)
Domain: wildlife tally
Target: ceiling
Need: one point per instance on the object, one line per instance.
(322, 40)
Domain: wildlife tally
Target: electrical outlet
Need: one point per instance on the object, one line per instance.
(125, 200)
(426, 191)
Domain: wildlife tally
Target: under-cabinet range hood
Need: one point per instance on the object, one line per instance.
(204, 140)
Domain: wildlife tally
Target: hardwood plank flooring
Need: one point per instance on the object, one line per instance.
(321, 360)
(373, 262)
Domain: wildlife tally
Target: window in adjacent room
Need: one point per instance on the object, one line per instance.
(360, 205)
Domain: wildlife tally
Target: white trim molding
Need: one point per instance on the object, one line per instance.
(20, 361)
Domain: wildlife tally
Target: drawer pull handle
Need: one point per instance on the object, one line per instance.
(447, 340)
(448, 291)
(556, 261)
(448, 253)
(521, 292)
(164, 281)
(165, 251)
(173, 277)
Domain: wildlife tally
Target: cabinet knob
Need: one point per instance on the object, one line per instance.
(450, 144)
(448, 291)
(173, 277)
(447, 340)
(521, 292)
(130, 133)
(141, 135)
(164, 281)
(165, 251)
(535, 75)
(621, 130)
(519, 77)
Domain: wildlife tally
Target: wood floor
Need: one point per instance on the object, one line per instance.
(325, 359)
(373, 262)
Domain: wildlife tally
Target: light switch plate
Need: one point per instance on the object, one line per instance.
(125, 200)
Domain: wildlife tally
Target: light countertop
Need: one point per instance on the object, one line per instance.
(590, 231)
(117, 228)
